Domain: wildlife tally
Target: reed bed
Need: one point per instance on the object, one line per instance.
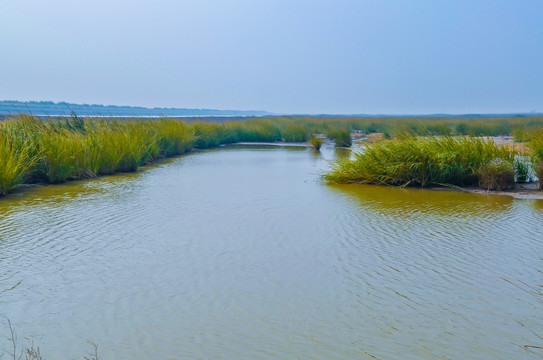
(520, 127)
(35, 151)
(414, 160)
(58, 150)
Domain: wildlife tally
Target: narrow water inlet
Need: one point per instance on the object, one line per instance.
(242, 252)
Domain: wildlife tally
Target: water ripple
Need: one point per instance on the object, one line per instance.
(240, 253)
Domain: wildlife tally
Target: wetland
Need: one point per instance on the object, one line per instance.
(243, 252)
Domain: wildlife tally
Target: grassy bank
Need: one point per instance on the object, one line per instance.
(520, 127)
(33, 151)
(443, 160)
(58, 150)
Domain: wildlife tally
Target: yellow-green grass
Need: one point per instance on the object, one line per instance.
(535, 145)
(173, 137)
(342, 138)
(498, 175)
(15, 162)
(421, 161)
(61, 156)
(52, 151)
(316, 142)
(390, 126)
(208, 134)
(59, 150)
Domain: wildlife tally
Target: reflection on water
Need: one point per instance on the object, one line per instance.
(537, 205)
(408, 202)
(242, 252)
(342, 153)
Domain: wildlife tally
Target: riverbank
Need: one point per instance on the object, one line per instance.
(34, 151)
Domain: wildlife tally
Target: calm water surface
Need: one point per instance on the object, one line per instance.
(242, 253)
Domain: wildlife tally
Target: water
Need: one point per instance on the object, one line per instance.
(242, 253)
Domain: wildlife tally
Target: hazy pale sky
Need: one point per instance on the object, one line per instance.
(293, 56)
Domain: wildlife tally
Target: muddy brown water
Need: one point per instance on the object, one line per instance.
(243, 253)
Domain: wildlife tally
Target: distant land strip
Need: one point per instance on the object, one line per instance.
(49, 108)
(52, 109)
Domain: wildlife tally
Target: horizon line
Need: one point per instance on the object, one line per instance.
(269, 113)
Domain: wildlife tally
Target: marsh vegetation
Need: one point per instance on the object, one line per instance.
(245, 248)
(58, 150)
(62, 149)
(443, 160)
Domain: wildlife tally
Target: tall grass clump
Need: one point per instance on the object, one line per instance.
(58, 150)
(139, 143)
(208, 134)
(421, 161)
(174, 137)
(255, 130)
(316, 142)
(15, 162)
(522, 170)
(103, 151)
(233, 131)
(294, 132)
(133, 151)
(62, 156)
(498, 174)
(535, 145)
(342, 138)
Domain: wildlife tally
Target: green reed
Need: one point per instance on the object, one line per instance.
(58, 150)
(316, 142)
(62, 157)
(421, 161)
(535, 145)
(390, 126)
(55, 151)
(342, 138)
(15, 162)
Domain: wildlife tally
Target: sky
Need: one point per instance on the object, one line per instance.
(284, 56)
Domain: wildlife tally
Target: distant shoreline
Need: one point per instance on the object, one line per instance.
(52, 109)
(187, 118)
(61, 109)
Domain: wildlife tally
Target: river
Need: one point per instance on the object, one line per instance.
(242, 252)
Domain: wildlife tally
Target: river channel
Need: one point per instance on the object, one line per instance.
(242, 252)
